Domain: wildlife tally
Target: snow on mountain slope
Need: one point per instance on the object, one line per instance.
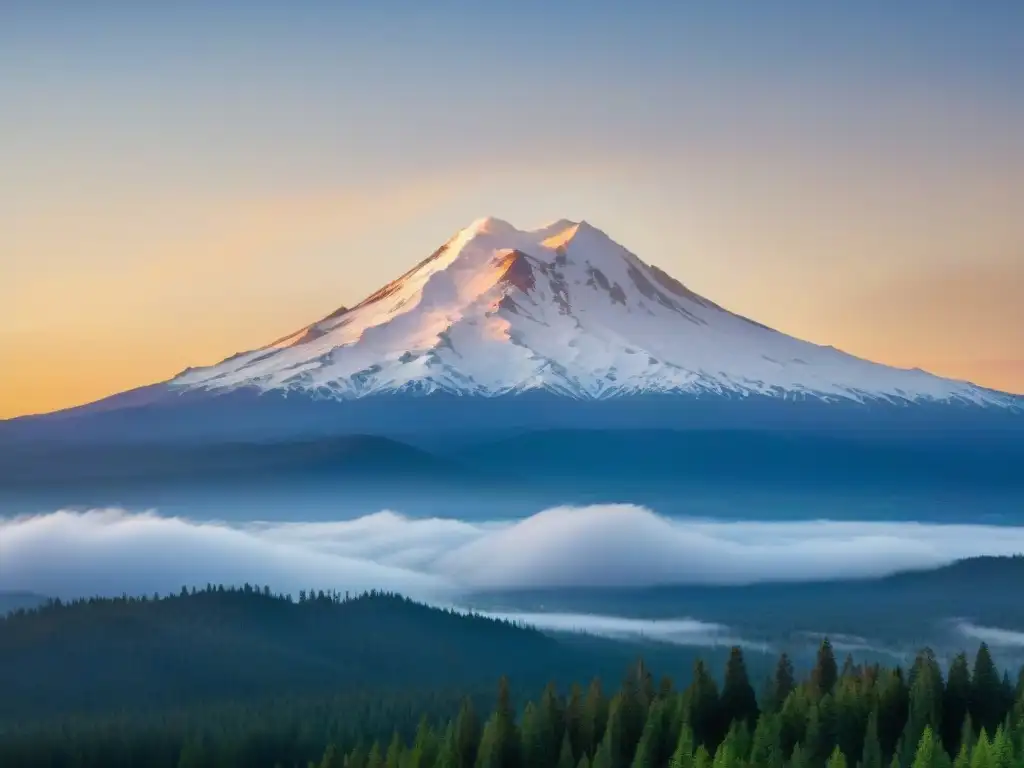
(563, 308)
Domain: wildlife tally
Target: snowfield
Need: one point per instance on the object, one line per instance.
(565, 309)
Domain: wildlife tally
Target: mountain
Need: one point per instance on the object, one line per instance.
(563, 309)
(554, 327)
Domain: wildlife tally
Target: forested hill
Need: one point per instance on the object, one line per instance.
(227, 644)
(224, 643)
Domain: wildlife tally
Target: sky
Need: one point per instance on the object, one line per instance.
(180, 182)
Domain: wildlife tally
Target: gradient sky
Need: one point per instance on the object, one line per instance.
(182, 181)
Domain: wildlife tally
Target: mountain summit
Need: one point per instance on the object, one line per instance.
(562, 309)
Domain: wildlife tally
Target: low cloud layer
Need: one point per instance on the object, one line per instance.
(994, 636)
(108, 552)
(688, 632)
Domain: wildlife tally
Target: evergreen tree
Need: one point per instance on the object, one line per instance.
(595, 718)
(448, 756)
(701, 701)
(393, 758)
(738, 703)
(766, 750)
(634, 698)
(967, 735)
(782, 684)
(536, 749)
(565, 756)
(871, 757)
(653, 747)
(602, 757)
(501, 749)
(376, 757)
(1001, 750)
(574, 719)
(955, 702)
(612, 744)
(424, 748)
(552, 717)
(467, 735)
(825, 673)
(836, 760)
(332, 758)
(980, 756)
(799, 758)
(986, 689)
(683, 756)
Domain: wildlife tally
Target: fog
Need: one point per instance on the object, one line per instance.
(107, 552)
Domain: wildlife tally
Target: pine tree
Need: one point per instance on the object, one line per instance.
(980, 756)
(552, 717)
(825, 673)
(1001, 750)
(424, 748)
(967, 735)
(594, 720)
(683, 756)
(702, 758)
(871, 756)
(467, 735)
(701, 700)
(376, 758)
(738, 703)
(612, 743)
(393, 758)
(725, 755)
(448, 756)
(766, 750)
(781, 685)
(955, 701)
(653, 747)
(565, 756)
(574, 719)
(501, 748)
(799, 758)
(535, 747)
(924, 756)
(986, 688)
(602, 757)
(332, 758)
(836, 760)
(634, 698)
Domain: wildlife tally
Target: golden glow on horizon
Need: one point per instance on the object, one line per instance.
(130, 294)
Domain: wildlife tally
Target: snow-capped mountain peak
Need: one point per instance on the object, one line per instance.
(563, 308)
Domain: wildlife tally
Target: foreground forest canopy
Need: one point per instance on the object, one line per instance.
(838, 715)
